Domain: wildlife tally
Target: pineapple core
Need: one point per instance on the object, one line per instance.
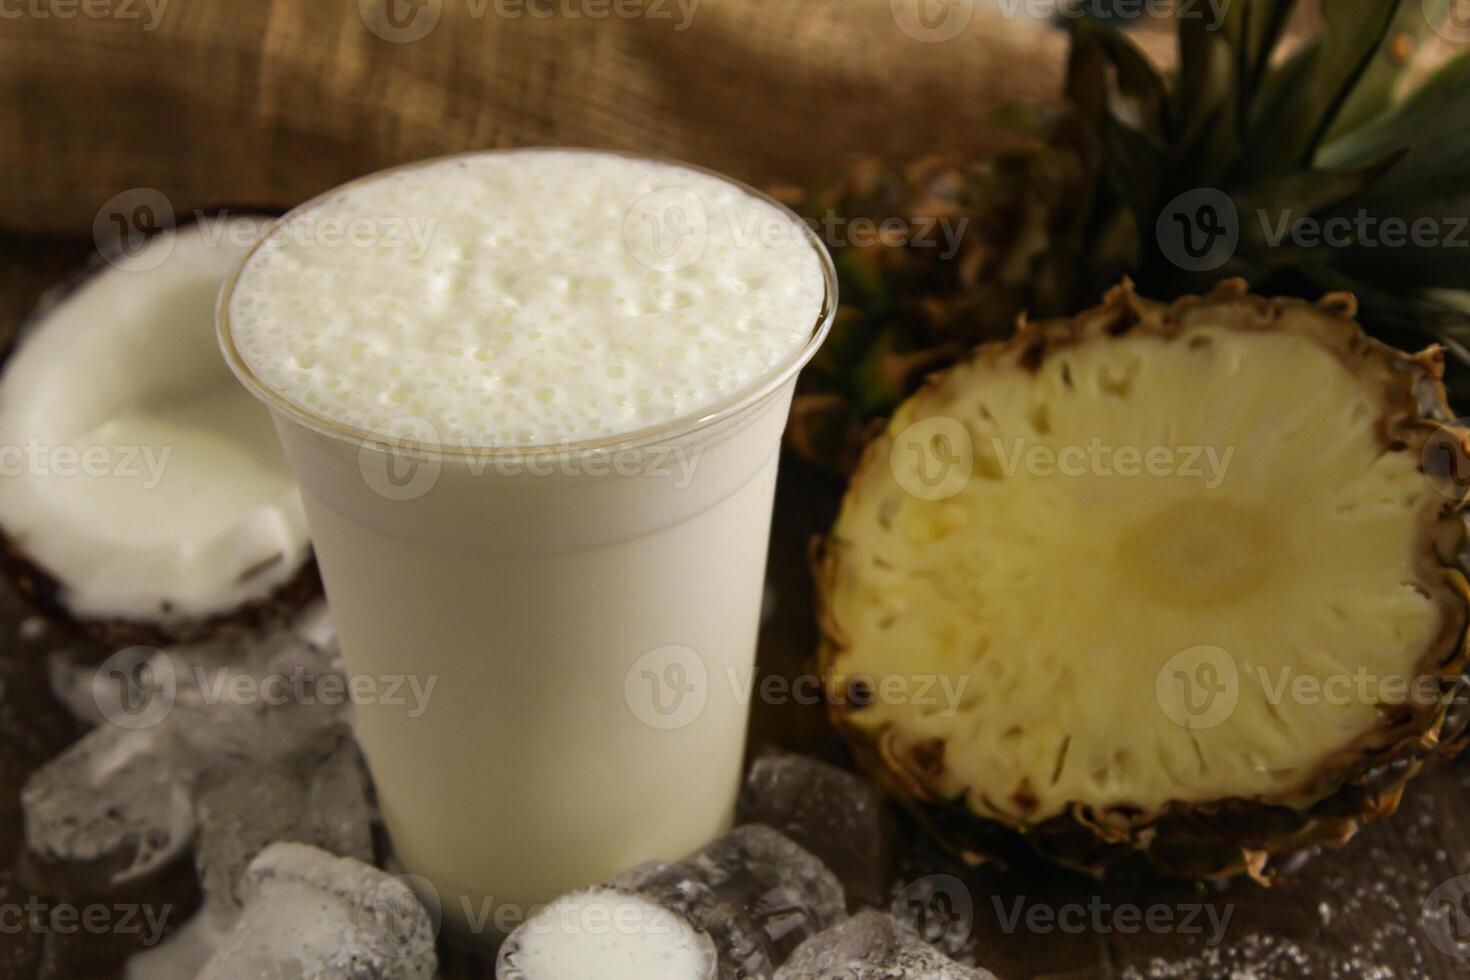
(1150, 569)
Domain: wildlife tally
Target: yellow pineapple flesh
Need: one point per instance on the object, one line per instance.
(1145, 562)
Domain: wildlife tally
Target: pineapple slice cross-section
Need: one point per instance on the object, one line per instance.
(1160, 579)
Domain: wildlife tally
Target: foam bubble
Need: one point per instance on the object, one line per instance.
(527, 298)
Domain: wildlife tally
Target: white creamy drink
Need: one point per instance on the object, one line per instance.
(534, 400)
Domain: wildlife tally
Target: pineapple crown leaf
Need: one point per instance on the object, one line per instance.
(1378, 84)
(1206, 91)
(1229, 108)
(1308, 192)
(1428, 188)
(1356, 31)
(1136, 93)
(1319, 132)
(1291, 131)
(1335, 82)
(1424, 120)
(1257, 29)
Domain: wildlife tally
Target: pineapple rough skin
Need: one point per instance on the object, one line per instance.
(1250, 832)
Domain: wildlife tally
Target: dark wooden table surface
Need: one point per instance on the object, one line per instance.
(1355, 913)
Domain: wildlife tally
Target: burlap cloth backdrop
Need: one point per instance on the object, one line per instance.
(267, 102)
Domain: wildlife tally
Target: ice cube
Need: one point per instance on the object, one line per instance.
(741, 946)
(310, 914)
(607, 932)
(835, 814)
(873, 946)
(755, 892)
(257, 699)
(13, 766)
(71, 679)
(113, 802)
(137, 686)
(21, 947)
(639, 876)
(119, 802)
(314, 625)
(179, 957)
(317, 796)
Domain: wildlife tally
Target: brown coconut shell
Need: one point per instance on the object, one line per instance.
(45, 591)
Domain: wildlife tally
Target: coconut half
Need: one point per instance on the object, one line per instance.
(142, 490)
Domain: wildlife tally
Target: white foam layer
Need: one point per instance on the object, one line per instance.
(527, 298)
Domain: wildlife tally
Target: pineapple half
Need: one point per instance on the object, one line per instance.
(1159, 580)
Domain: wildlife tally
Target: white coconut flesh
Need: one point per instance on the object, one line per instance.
(136, 471)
